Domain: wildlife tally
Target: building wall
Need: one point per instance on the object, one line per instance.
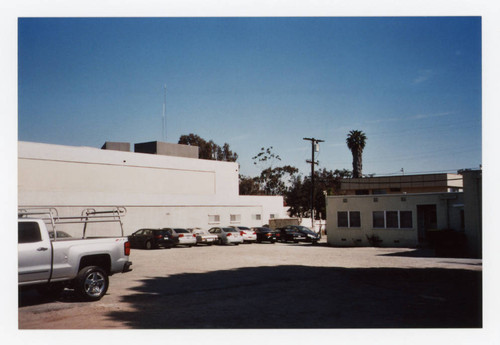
(473, 211)
(423, 183)
(448, 207)
(157, 191)
(167, 149)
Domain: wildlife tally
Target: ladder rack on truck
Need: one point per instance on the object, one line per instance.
(51, 217)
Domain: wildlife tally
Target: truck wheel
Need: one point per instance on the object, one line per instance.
(92, 283)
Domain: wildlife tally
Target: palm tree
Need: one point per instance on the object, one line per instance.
(356, 141)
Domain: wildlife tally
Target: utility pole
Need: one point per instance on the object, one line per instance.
(314, 148)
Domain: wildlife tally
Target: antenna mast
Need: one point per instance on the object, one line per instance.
(164, 119)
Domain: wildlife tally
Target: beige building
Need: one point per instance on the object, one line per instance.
(423, 183)
(166, 187)
(407, 220)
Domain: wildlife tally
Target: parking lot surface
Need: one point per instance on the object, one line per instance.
(269, 286)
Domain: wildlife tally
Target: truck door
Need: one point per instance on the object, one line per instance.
(34, 253)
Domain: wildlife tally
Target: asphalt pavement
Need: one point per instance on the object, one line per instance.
(274, 286)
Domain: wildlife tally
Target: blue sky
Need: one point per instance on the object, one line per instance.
(412, 84)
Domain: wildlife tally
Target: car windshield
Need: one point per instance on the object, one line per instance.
(243, 228)
(181, 231)
(229, 230)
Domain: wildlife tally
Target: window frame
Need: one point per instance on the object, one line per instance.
(235, 218)
(349, 219)
(215, 220)
(399, 218)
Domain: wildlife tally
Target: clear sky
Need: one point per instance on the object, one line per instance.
(412, 84)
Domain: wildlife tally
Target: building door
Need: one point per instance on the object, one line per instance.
(426, 220)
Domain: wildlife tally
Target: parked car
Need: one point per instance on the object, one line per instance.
(310, 235)
(182, 237)
(266, 234)
(227, 235)
(150, 238)
(248, 234)
(204, 237)
(290, 235)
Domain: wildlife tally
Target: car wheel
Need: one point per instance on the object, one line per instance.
(92, 283)
(273, 242)
(148, 245)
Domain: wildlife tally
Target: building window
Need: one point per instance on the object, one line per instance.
(379, 191)
(342, 219)
(362, 192)
(235, 218)
(348, 219)
(354, 219)
(257, 217)
(272, 216)
(392, 219)
(405, 219)
(378, 219)
(213, 218)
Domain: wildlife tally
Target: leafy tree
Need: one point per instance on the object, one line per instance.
(249, 185)
(272, 180)
(209, 149)
(266, 156)
(276, 181)
(356, 141)
(299, 194)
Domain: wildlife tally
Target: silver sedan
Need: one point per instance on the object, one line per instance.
(227, 235)
(203, 236)
(182, 237)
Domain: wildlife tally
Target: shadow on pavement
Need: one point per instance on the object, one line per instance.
(416, 253)
(307, 297)
(29, 297)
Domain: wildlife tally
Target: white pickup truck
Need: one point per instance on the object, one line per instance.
(51, 260)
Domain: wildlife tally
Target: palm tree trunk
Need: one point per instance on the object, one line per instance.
(357, 163)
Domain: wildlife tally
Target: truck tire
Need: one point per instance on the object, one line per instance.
(91, 283)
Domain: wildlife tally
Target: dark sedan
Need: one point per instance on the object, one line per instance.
(310, 236)
(150, 238)
(266, 234)
(290, 235)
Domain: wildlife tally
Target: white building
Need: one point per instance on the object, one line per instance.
(156, 190)
(409, 220)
